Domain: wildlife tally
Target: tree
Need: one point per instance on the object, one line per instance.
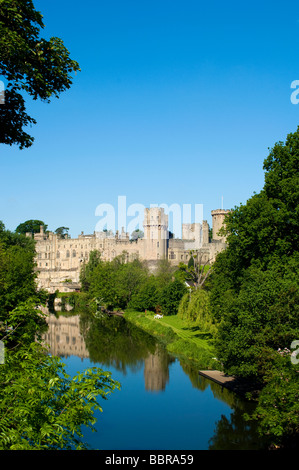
(129, 277)
(195, 307)
(88, 268)
(136, 234)
(41, 407)
(277, 410)
(31, 226)
(62, 232)
(30, 64)
(191, 261)
(17, 276)
(114, 281)
(170, 297)
(147, 297)
(165, 272)
(254, 292)
(196, 272)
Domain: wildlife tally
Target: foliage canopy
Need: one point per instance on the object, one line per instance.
(254, 292)
(41, 407)
(30, 64)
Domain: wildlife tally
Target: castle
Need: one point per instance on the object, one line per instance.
(59, 260)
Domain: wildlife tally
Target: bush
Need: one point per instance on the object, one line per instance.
(170, 297)
(195, 307)
(147, 298)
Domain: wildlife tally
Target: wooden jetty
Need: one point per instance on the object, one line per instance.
(217, 376)
(231, 383)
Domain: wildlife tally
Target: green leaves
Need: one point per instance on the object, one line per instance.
(115, 282)
(31, 226)
(17, 277)
(254, 291)
(42, 68)
(41, 407)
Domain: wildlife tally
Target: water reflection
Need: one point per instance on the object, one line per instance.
(111, 342)
(64, 337)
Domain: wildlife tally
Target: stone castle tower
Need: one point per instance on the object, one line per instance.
(59, 260)
(155, 227)
(218, 217)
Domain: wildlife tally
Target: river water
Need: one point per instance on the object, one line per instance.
(163, 404)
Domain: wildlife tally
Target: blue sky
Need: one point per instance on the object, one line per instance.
(177, 103)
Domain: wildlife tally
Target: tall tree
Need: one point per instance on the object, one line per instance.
(17, 277)
(31, 226)
(254, 292)
(30, 64)
(62, 232)
(41, 407)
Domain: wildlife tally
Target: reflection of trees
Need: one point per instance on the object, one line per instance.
(110, 341)
(202, 383)
(232, 433)
(191, 371)
(114, 342)
(235, 434)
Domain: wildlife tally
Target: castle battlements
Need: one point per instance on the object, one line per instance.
(59, 260)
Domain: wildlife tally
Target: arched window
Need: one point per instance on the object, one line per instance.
(74, 254)
(67, 254)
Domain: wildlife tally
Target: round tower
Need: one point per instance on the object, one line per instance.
(218, 216)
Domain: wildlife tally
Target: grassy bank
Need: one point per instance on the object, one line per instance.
(180, 338)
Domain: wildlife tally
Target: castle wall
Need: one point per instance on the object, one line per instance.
(59, 260)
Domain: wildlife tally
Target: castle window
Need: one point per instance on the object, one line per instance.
(58, 254)
(74, 254)
(157, 244)
(67, 254)
(45, 255)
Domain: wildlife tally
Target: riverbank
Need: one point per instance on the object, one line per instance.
(180, 338)
(190, 344)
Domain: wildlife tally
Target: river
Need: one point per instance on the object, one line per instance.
(163, 404)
